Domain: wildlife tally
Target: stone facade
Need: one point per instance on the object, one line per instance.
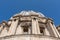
(29, 25)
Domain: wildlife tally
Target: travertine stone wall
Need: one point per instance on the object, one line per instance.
(29, 37)
(34, 22)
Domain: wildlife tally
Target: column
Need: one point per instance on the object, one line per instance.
(46, 32)
(35, 27)
(52, 28)
(56, 30)
(34, 30)
(19, 29)
(13, 27)
(29, 30)
(1, 27)
(4, 32)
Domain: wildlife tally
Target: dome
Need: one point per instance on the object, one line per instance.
(33, 26)
(30, 13)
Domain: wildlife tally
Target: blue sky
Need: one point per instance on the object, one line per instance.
(50, 8)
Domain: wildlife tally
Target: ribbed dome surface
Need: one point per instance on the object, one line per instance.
(30, 13)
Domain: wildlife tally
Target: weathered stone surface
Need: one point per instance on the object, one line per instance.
(29, 25)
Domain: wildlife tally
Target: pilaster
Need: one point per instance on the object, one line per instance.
(3, 32)
(47, 32)
(35, 26)
(52, 27)
(1, 28)
(56, 30)
(19, 29)
(13, 26)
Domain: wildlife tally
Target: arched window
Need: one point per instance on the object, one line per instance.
(42, 30)
(25, 30)
(26, 27)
